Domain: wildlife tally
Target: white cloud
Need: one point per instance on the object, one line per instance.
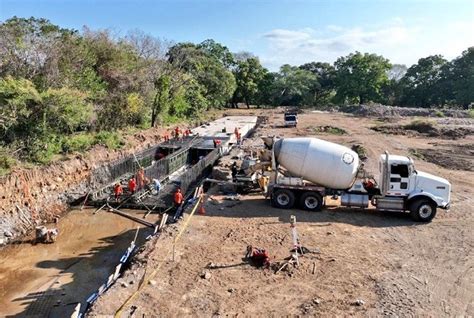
(401, 43)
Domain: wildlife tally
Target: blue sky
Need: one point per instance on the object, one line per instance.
(282, 31)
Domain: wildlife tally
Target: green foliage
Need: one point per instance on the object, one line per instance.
(293, 86)
(462, 77)
(330, 130)
(42, 149)
(471, 113)
(66, 110)
(7, 162)
(249, 74)
(323, 87)
(112, 140)
(21, 104)
(360, 77)
(78, 142)
(421, 85)
(62, 90)
(439, 113)
(161, 101)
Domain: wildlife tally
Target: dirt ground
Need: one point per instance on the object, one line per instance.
(369, 263)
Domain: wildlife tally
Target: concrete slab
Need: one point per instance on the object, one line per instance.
(224, 127)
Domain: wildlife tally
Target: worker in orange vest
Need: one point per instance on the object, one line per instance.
(178, 198)
(141, 179)
(177, 131)
(117, 191)
(132, 185)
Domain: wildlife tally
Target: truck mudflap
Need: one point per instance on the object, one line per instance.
(445, 206)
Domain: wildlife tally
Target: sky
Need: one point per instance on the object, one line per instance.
(279, 31)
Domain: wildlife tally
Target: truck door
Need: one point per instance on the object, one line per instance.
(399, 179)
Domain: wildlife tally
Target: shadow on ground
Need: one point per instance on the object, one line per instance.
(256, 206)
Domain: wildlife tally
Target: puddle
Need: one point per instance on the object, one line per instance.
(47, 280)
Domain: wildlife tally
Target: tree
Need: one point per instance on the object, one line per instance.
(20, 108)
(30, 48)
(360, 77)
(66, 110)
(161, 101)
(248, 75)
(421, 83)
(324, 86)
(217, 51)
(293, 86)
(462, 78)
(206, 64)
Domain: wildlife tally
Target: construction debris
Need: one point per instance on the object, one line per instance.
(45, 235)
(258, 257)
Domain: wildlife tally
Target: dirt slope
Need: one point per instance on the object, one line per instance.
(393, 265)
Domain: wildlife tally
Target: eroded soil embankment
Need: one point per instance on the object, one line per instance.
(33, 196)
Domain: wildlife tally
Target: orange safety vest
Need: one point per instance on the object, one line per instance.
(178, 197)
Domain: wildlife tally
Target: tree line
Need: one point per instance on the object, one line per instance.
(62, 90)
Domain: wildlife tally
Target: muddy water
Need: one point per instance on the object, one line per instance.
(47, 280)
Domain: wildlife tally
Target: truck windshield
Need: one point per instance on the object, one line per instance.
(290, 118)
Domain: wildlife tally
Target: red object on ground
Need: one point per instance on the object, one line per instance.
(178, 197)
(260, 257)
(132, 185)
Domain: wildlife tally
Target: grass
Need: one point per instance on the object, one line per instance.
(330, 130)
(360, 150)
(7, 162)
(112, 140)
(471, 113)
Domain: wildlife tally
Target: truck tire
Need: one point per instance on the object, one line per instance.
(311, 201)
(283, 199)
(423, 210)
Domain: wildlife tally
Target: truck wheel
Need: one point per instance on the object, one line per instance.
(311, 201)
(423, 210)
(283, 199)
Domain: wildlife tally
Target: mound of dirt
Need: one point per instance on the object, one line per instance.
(395, 111)
(425, 128)
(455, 157)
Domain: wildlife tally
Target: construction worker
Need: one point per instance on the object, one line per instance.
(234, 171)
(178, 198)
(118, 190)
(157, 184)
(177, 131)
(132, 185)
(141, 178)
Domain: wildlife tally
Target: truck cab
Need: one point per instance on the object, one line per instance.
(403, 188)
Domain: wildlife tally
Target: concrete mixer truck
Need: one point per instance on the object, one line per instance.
(304, 171)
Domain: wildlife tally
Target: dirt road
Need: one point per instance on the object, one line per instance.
(370, 263)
